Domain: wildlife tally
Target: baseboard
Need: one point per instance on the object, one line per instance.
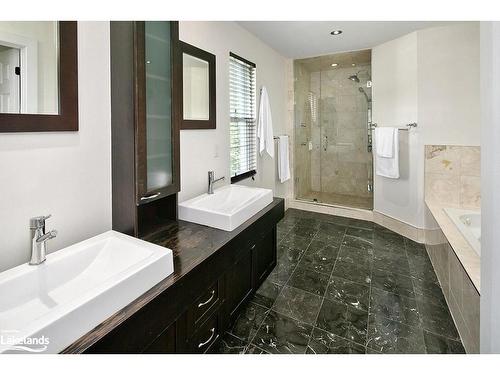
(400, 227)
(354, 213)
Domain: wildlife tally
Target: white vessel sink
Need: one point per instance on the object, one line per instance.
(227, 208)
(75, 289)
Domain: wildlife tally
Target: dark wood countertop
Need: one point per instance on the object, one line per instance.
(191, 245)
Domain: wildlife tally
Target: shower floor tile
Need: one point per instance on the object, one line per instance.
(339, 199)
(344, 286)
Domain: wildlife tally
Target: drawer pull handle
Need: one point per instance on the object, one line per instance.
(209, 339)
(148, 197)
(208, 300)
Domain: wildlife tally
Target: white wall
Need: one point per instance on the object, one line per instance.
(394, 75)
(430, 77)
(490, 186)
(65, 174)
(448, 84)
(204, 150)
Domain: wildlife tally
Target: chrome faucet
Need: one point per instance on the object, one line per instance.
(39, 239)
(212, 181)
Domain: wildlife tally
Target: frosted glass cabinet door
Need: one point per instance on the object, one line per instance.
(156, 167)
(158, 105)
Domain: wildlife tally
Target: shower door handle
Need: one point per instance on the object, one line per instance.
(325, 143)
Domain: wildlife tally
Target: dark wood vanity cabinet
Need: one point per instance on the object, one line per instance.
(264, 256)
(239, 282)
(250, 270)
(192, 314)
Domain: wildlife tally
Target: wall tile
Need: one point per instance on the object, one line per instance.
(442, 162)
(442, 159)
(470, 161)
(442, 267)
(461, 296)
(442, 188)
(439, 258)
(471, 310)
(456, 276)
(470, 192)
(454, 307)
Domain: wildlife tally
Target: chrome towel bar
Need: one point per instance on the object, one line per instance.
(408, 126)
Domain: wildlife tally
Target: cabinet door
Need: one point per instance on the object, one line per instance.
(165, 343)
(157, 131)
(264, 256)
(239, 282)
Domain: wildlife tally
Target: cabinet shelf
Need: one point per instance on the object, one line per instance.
(157, 38)
(157, 77)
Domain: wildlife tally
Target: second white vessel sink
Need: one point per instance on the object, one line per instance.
(227, 208)
(75, 289)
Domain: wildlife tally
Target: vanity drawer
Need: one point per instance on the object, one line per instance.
(204, 305)
(206, 335)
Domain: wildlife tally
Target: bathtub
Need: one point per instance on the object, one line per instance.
(468, 223)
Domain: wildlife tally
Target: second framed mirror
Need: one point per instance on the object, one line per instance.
(198, 88)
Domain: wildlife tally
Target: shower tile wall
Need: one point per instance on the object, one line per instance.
(344, 165)
(302, 157)
(334, 114)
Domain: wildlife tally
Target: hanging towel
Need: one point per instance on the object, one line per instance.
(387, 143)
(265, 125)
(283, 159)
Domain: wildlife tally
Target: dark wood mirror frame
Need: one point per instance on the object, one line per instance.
(210, 58)
(67, 118)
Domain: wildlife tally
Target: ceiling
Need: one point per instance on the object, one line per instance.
(343, 60)
(299, 39)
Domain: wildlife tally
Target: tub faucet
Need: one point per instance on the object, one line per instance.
(39, 239)
(212, 181)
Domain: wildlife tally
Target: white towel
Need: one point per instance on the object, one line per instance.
(265, 125)
(387, 166)
(385, 141)
(283, 159)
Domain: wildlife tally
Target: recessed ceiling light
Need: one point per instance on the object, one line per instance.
(336, 32)
(335, 64)
(353, 64)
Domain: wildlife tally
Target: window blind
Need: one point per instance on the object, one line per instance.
(242, 118)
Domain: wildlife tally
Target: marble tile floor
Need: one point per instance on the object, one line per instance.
(339, 199)
(344, 286)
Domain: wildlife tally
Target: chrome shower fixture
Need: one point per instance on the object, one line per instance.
(355, 77)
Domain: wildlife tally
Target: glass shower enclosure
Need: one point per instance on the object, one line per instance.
(333, 158)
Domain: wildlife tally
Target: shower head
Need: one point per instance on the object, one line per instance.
(354, 78)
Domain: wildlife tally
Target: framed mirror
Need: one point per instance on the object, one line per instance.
(38, 76)
(198, 88)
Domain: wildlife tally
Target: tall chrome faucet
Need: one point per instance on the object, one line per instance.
(39, 239)
(212, 181)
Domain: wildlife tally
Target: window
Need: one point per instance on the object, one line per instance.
(242, 127)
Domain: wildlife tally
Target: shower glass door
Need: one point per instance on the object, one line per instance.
(332, 129)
